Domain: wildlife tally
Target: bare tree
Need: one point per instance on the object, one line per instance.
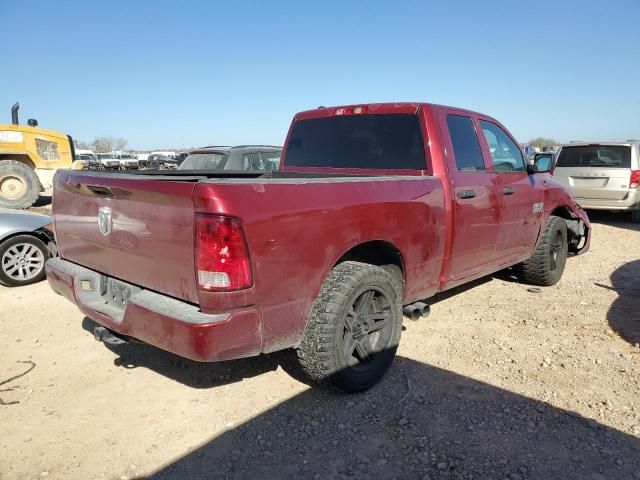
(81, 145)
(540, 142)
(108, 144)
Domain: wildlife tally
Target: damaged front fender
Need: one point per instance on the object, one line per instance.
(578, 231)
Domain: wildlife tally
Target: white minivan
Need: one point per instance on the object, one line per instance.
(603, 175)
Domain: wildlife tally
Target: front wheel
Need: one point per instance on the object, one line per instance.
(354, 328)
(546, 265)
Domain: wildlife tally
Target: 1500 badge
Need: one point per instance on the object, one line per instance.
(538, 207)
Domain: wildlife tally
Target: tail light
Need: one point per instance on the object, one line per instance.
(222, 256)
(634, 181)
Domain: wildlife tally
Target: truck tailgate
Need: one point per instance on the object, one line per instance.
(150, 242)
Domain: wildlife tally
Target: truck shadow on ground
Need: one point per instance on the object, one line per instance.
(624, 313)
(420, 422)
(193, 374)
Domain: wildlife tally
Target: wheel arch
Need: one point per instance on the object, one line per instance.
(39, 234)
(563, 211)
(374, 252)
(576, 228)
(19, 157)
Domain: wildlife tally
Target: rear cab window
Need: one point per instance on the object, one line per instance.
(612, 156)
(363, 141)
(466, 147)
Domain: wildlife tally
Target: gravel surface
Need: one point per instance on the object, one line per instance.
(498, 383)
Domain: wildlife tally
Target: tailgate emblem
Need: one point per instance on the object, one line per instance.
(104, 221)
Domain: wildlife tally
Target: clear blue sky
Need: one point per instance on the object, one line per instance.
(189, 73)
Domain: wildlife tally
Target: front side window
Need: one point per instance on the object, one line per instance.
(466, 148)
(388, 141)
(506, 155)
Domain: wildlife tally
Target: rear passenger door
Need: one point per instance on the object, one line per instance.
(475, 197)
(521, 195)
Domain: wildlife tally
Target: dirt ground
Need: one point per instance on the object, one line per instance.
(498, 382)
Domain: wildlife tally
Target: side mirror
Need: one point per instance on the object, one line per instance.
(32, 122)
(542, 163)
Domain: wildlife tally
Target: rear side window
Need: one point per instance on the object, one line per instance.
(614, 156)
(466, 147)
(358, 141)
(204, 161)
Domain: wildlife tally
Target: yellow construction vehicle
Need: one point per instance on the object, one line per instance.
(29, 158)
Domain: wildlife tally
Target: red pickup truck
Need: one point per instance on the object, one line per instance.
(374, 207)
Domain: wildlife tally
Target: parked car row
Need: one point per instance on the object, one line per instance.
(238, 158)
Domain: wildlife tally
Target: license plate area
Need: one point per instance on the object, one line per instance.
(117, 293)
(105, 295)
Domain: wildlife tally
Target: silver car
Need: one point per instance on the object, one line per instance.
(26, 242)
(603, 175)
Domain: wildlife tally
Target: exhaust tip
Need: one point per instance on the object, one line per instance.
(411, 312)
(416, 310)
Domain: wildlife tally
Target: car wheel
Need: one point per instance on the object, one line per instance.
(19, 185)
(354, 328)
(22, 260)
(546, 265)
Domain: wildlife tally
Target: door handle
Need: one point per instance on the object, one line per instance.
(466, 194)
(507, 191)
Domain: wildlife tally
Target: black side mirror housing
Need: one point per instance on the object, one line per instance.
(542, 163)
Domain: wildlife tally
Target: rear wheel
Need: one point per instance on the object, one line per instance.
(22, 260)
(354, 328)
(19, 185)
(546, 265)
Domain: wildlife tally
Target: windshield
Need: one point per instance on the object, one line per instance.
(204, 161)
(127, 157)
(614, 156)
(392, 141)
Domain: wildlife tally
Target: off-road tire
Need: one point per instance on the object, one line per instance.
(320, 353)
(12, 168)
(546, 265)
(27, 240)
(635, 215)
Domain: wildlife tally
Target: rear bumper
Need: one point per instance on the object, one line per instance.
(631, 202)
(162, 321)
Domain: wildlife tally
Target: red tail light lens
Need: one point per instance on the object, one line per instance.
(634, 181)
(222, 257)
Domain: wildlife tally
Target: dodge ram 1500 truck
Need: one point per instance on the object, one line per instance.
(374, 207)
